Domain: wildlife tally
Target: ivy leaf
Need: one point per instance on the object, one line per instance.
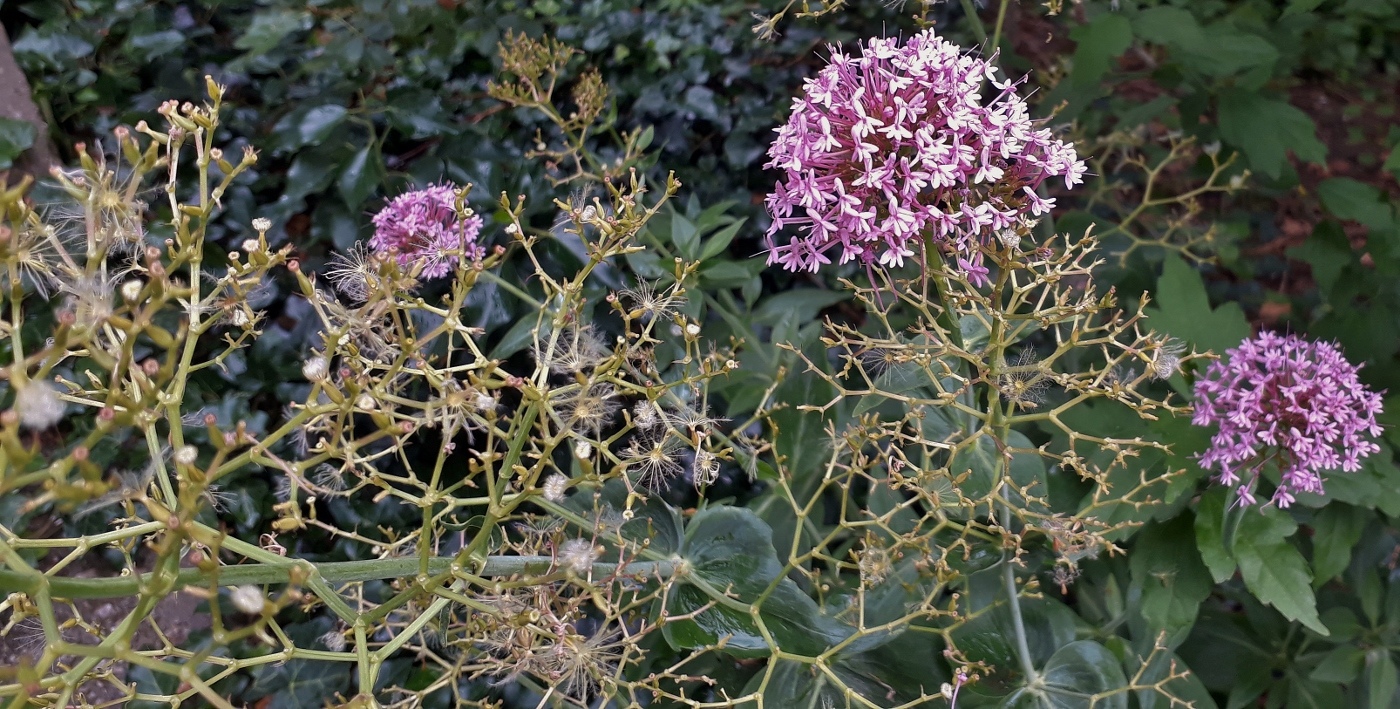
(16, 136)
(1278, 575)
(269, 28)
(317, 123)
(1299, 7)
(653, 523)
(735, 571)
(359, 177)
(1266, 129)
(1183, 309)
(1076, 677)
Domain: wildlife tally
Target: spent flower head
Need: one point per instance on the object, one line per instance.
(886, 149)
(1285, 398)
(425, 226)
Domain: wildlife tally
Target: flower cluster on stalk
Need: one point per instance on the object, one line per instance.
(1283, 398)
(898, 145)
(425, 226)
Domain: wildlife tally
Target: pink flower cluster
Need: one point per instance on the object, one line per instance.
(1284, 398)
(886, 149)
(424, 227)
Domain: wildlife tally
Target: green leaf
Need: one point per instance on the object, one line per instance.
(1381, 678)
(719, 241)
(16, 136)
(1342, 665)
(1336, 529)
(1099, 42)
(729, 274)
(686, 237)
(518, 337)
(1298, 7)
(1210, 535)
(1266, 129)
(1168, 569)
(360, 177)
(653, 523)
(269, 28)
(1328, 251)
(1348, 199)
(316, 125)
(734, 570)
(1182, 308)
(1278, 575)
(1076, 677)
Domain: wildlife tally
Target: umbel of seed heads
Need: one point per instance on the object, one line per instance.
(425, 227)
(1285, 399)
(896, 145)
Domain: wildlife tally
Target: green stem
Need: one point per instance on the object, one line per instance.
(330, 572)
(978, 29)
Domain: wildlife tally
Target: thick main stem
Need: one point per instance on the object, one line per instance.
(331, 572)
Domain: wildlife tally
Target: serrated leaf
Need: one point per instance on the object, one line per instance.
(1267, 130)
(1336, 529)
(1182, 308)
(1210, 535)
(1278, 575)
(1349, 199)
(1099, 42)
(1168, 569)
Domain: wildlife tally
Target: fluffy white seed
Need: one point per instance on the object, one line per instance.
(554, 487)
(315, 368)
(38, 406)
(249, 599)
(577, 555)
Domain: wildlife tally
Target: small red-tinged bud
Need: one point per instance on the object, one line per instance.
(294, 266)
(67, 318)
(210, 419)
(406, 426)
(230, 439)
(150, 367)
(9, 418)
(515, 382)
(121, 132)
(152, 253)
(169, 243)
(499, 249)
(80, 453)
(5, 233)
(612, 298)
(344, 372)
(80, 147)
